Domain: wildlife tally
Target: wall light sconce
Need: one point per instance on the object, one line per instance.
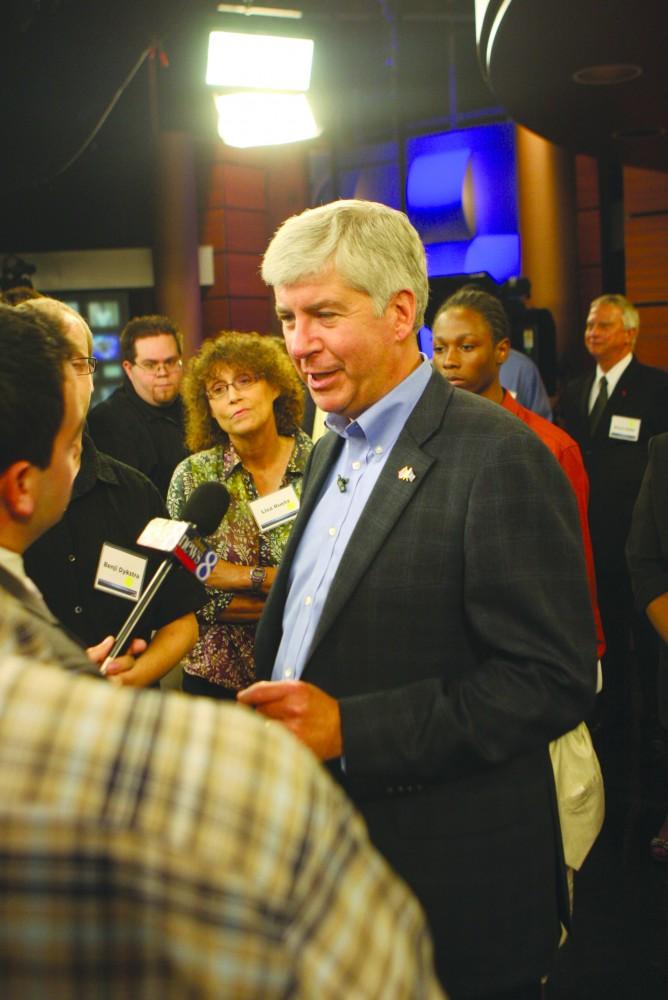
(269, 76)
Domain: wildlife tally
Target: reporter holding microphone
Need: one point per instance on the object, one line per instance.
(244, 403)
(87, 565)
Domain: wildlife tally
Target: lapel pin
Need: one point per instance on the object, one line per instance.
(407, 474)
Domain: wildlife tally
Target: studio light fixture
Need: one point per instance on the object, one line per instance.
(264, 119)
(264, 80)
(259, 62)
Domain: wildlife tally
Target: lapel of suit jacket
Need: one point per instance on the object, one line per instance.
(627, 381)
(585, 391)
(625, 384)
(389, 498)
(584, 385)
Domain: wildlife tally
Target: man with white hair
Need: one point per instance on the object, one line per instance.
(429, 630)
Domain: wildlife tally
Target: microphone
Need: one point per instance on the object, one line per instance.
(202, 513)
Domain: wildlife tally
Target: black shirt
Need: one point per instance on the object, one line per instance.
(149, 438)
(110, 503)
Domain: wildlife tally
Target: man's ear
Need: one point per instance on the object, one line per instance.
(126, 366)
(16, 489)
(403, 304)
(502, 350)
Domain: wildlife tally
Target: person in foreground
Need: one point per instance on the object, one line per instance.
(429, 630)
(111, 503)
(244, 403)
(42, 418)
(155, 845)
(42, 415)
(647, 557)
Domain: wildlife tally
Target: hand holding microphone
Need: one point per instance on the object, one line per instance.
(180, 540)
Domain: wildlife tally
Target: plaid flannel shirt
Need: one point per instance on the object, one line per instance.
(164, 846)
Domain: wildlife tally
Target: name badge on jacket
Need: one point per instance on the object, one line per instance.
(276, 508)
(120, 572)
(624, 428)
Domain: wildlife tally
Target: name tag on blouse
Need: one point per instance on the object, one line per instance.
(625, 428)
(275, 509)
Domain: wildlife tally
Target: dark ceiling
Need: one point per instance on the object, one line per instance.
(538, 47)
(71, 177)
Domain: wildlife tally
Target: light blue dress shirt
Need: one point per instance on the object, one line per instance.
(521, 377)
(367, 443)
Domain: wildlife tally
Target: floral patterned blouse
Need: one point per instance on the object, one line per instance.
(223, 653)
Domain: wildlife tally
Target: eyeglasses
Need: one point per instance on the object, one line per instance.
(84, 366)
(240, 383)
(152, 367)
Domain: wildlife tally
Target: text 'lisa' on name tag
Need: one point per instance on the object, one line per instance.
(120, 572)
(276, 508)
(624, 428)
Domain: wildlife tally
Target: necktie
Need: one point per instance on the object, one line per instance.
(599, 404)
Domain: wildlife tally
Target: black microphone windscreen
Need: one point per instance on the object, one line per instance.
(206, 507)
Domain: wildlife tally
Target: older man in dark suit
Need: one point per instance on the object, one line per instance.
(429, 631)
(612, 412)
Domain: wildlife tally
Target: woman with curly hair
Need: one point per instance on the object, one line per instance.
(244, 402)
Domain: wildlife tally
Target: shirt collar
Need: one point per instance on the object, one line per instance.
(95, 466)
(231, 459)
(382, 423)
(13, 563)
(613, 375)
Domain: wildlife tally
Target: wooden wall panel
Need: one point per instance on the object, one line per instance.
(586, 182)
(590, 282)
(243, 276)
(645, 190)
(244, 186)
(252, 314)
(646, 252)
(589, 275)
(216, 315)
(246, 230)
(652, 343)
(588, 237)
(244, 195)
(646, 247)
(212, 229)
(220, 286)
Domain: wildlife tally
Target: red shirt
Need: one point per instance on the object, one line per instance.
(569, 457)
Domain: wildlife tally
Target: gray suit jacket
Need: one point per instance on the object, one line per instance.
(64, 650)
(458, 638)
